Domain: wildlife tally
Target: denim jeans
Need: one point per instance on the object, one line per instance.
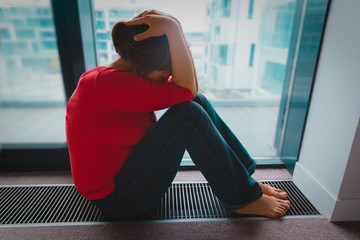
(152, 166)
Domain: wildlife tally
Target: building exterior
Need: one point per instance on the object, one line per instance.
(28, 52)
(105, 17)
(246, 55)
(243, 54)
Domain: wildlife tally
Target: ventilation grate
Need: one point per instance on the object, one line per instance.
(60, 204)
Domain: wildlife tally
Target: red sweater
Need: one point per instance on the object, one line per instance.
(107, 116)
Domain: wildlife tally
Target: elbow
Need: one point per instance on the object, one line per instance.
(194, 92)
(193, 89)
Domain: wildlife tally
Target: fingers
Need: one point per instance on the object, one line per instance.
(148, 33)
(155, 12)
(137, 21)
(148, 12)
(140, 15)
(158, 26)
(142, 36)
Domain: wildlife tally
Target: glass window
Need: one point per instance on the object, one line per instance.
(226, 8)
(25, 33)
(223, 53)
(18, 22)
(43, 11)
(35, 47)
(49, 45)
(102, 45)
(4, 33)
(103, 36)
(47, 35)
(46, 23)
(99, 14)
(32, 98)
(100, 25)
(242, 72)
(273, 78)
(251, 9)
(103, 57)
(252, 52)
(111, 24)
(121, 13)
(20, 11)
(32, 22)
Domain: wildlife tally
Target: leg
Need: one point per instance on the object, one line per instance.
(227, 134)
(150, 169)
(236, 145)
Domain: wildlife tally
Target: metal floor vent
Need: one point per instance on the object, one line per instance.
(62, 204)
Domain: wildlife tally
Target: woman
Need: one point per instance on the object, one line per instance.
(123, 159)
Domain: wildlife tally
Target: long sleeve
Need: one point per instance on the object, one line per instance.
(124, 91)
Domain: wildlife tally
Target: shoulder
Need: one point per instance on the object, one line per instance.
(105, 71)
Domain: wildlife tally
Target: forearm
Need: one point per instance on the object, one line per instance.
(191, 57)
(183, 70)
(195, 75)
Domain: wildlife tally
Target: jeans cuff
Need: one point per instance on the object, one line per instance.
(232, 208)
(251, 168)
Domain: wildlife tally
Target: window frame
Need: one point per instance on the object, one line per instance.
(72, 35)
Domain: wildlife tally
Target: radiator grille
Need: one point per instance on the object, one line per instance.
(60, 204)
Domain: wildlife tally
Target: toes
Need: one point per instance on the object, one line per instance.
(281, 194)
(276, 192)
(280, 212)
(284, 195)
(286, 204)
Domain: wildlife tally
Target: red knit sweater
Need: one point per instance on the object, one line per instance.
(108, 114)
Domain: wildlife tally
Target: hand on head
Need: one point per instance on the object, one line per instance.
(159, 24)
(155, 12)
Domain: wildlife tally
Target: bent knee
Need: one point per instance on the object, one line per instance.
(199, 98)
(189, 108)
(186, 106)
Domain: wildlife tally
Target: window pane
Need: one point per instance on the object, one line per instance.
(32, 96)
(240, 50)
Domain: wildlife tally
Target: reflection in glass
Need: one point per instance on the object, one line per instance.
(31, 89)
(240, 50)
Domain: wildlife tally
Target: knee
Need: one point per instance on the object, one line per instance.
(188, 109)
(201, 99)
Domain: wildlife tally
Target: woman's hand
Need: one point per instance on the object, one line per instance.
(158, 25)
(159, 13)
(182, 65)
(156, 12)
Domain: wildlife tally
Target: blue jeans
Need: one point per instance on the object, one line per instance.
(152, 166)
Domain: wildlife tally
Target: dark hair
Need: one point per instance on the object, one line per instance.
(147, 55)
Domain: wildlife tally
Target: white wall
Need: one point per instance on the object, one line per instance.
(329, 161)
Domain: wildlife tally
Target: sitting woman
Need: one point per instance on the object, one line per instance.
(123, 159)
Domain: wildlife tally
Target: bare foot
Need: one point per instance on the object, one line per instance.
(271, 191)
(268, 206)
